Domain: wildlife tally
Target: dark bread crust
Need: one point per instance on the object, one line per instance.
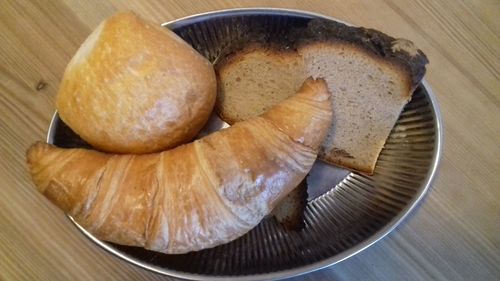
(400, 52)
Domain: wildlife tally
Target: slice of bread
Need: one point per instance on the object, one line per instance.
(255, 79)
(290, 210)
(370, 75)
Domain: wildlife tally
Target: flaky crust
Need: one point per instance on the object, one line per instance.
(135, 87)
(196, 196)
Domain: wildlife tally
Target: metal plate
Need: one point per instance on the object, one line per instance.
(346, 212)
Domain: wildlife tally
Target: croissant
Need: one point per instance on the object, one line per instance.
(199, 195)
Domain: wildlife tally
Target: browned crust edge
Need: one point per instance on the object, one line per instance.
(364, 169)
(399, 52)
(377, 43)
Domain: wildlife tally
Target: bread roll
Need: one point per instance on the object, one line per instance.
(136, 87)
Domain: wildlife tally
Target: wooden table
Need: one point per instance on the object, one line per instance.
(454, 235)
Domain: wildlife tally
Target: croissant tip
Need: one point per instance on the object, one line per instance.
(35, 150)
(316, 87)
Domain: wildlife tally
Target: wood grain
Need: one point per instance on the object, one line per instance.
(454, 235)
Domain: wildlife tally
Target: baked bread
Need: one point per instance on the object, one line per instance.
(254, 79)
(289, 212)
(195, 196)
(136, 87)
(370, 75)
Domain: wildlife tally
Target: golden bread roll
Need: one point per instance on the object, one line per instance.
(136, 87)
(195, 196)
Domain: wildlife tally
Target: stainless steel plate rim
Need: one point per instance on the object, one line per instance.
(391, 225)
